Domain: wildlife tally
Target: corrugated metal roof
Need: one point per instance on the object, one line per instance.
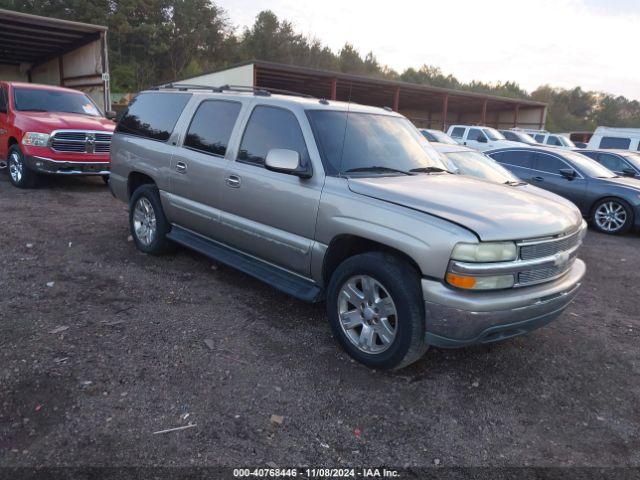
(26, 38)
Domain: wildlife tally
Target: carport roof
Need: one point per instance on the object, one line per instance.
(26, 38)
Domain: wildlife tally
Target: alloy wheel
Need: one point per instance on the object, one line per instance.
(367, 313)
(15, 167)
(610, 216)
(144, 221)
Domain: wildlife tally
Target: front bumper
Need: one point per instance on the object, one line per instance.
(456, 318)
(66, 167)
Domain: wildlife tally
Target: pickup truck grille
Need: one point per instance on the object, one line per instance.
(548, 248)
(80, 141)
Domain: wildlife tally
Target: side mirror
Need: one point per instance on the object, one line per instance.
(285, 161)
(568, 173)
(628, 172)
(482, 139)
(110, 114)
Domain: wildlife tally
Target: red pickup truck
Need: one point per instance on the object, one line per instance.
(51, 130)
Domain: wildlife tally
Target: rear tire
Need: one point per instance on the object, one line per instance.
(612, 215)
(376, 310)
(147, 222)
(19, 174)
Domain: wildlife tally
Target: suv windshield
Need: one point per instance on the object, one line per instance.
(371, 144)
(588, 165)
(40, 100)
(493, 134)
(476, 164)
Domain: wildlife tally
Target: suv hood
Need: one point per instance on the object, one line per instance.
(48, 121)
(492, 211)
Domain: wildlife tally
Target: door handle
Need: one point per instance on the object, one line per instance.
(537, 179)
(181, 167)
(233, 181)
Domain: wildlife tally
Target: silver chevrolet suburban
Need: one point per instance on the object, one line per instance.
(349, 204)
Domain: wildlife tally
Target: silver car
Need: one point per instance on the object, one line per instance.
(348, 204)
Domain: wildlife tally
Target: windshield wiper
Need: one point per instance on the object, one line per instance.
(376, 168)
(428, 170)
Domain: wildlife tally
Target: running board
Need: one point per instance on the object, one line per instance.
(284, 281)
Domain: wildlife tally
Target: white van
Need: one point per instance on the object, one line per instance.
(615, 138)
(479, 137)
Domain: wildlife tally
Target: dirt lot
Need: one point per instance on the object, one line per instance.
(100, 346)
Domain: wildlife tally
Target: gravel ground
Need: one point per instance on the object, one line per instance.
(101, 346)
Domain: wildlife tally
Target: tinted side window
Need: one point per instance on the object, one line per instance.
(615, 142)
(509, 135)
(457, 132)
(517, 158)
(474, 134)
(552, 140)
(593, 155)
(268, 128)
(549, 163)
(3, 101)
(613, 162)
(211, 126)
(153, 115)
(539, 138)
(428, 136)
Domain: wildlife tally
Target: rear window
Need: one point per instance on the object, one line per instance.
(615, 142)
(539, 138)
(457, 132)
(474, 134)
(153, 115)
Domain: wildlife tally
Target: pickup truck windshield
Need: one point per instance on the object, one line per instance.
(370, 144)
(493, 134)
(40, 100)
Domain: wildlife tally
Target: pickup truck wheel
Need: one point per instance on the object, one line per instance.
(148, 224)
(19, 174)
(376, 311)
(612, 215)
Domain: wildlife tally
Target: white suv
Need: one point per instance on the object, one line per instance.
(479, 137)
(552, 139)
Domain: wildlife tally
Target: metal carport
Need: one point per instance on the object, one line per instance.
(55, 52)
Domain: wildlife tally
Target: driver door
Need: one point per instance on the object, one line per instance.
(547, 175)
(476, 139)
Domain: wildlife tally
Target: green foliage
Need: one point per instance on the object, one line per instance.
(155, 41)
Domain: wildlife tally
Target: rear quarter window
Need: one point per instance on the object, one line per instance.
(153, 115)
(615, 142)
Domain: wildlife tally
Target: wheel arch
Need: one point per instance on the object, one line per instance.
(344, 246)
(137, 179)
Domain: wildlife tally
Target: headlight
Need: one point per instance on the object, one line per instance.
(485, 252)
(36, 139)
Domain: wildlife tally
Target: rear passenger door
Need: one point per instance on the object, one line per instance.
(199, 165)
(547, 175)
(269, 214)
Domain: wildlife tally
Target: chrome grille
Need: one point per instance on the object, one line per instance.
(80, 141)
(548, 248)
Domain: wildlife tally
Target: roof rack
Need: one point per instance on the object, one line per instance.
(264, 91)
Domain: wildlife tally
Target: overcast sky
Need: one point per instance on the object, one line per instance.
(565, 43)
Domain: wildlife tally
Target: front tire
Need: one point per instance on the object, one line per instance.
(147, 222)
(19, 174)
(612, 216)
(376, 311)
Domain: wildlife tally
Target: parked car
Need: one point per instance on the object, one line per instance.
(621, 162)
(615, 138)
(553, 139)
(437, 136)
(470, 162)
(611, 203)
(346, 203)
(480, 138)
(580, 144)
(519, 136)
(51, 130)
